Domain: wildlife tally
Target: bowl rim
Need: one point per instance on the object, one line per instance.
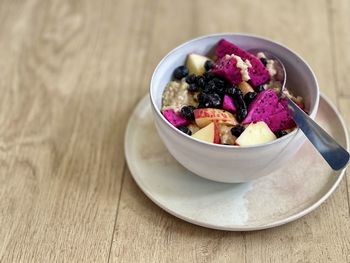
(294, 133)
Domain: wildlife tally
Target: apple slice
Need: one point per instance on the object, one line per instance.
(245, 87)
(206, 115)
(256, 133)
(195, 64)
(209, 133)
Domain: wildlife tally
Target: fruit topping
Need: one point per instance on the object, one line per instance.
(241, 114)
(180, 72)
(200, 81)
(187, 112)
(264, 61)
(190, 79)
(280, 133)
(230, 100)
(206, 115)
(193, 88)
(257, 72)
(245, 87)
(237, 130)
(228, 104)
(208, 65)
(174, 118)
(259, 88)
(256, 133)
(208, 100)
(249, 97)
(185, 130)
(234, 91)
(209, 133)
(268, 108)
(196, 63)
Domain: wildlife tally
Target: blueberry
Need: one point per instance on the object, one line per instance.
(249, 97)
(240, 103)
(280, 133)
(219, 82)
(209, 87)
(233, 91)
(190, 79)
(215, 100)
(259, 88)
(200, 81)
(241, 114)
(185, 130)
(193, 88)
(206, 100)
(215, 85)
(187, 112)
(208, 65)
(203, 100)
(237, 130)
(264, 61)
(180, 72)
(239, 93)
(208, 76)
(220, 90)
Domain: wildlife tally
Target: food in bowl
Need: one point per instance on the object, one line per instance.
(230, 98)
(227, 163)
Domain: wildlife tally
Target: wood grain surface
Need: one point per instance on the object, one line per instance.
(71, 71)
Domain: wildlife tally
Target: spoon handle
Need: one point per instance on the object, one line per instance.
(335, 155)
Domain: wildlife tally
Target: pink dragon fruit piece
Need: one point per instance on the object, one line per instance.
(279, 107)
(280, 121)
(281, 118)
(226, 67)
(223, 48)
(257, 72)
(262, 106)
(268, 108)
(174, 118)
(228, 104)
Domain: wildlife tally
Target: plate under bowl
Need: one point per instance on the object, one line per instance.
(276, 199)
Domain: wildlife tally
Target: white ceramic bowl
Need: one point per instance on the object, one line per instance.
(225, 163)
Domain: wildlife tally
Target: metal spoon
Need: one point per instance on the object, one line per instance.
(334, 154)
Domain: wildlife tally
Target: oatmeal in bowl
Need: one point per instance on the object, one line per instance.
(230, 98)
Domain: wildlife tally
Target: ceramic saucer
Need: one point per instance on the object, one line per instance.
(281, 197)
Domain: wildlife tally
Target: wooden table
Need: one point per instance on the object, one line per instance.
(71, 72)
